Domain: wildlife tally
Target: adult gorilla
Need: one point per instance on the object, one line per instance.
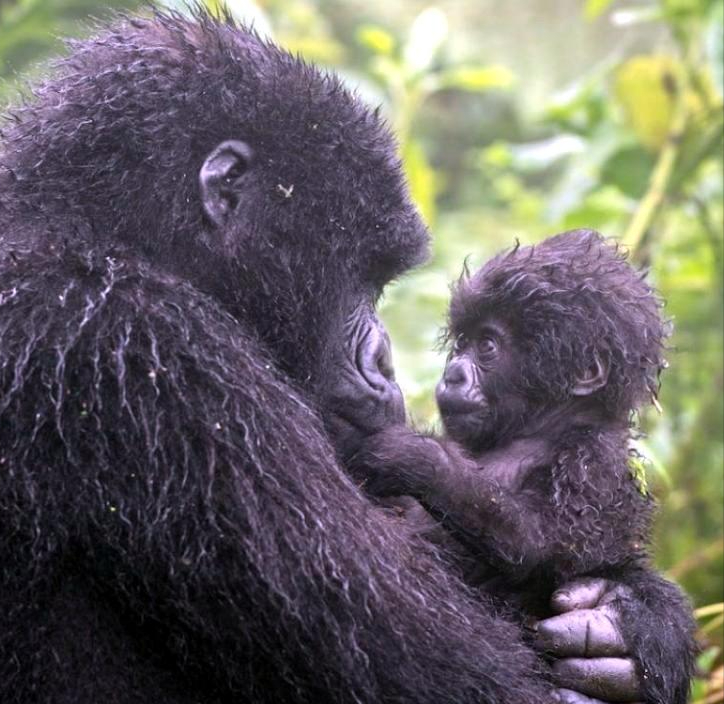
(192, 221)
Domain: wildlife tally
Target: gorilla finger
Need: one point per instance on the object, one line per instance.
(610, 679)
(616, 592)
(584, 593)
(568, 696)
(584, 633)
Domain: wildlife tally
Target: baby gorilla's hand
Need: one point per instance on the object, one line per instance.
(375, 466)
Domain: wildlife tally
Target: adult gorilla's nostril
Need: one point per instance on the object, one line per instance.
(384, 359)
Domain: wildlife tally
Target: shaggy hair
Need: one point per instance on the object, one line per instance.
(174, 524)
(571, 301)
(573, 298)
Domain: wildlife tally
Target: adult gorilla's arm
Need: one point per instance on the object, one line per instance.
(154, 442)
(603, 620)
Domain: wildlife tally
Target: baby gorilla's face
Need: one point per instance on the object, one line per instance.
(479, 396)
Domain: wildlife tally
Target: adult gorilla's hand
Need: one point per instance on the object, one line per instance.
(586, 637)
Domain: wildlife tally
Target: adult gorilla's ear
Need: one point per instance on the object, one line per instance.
(220, 177)
(593, 379)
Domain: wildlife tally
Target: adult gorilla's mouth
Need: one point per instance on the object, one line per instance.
(374, 355)
(363, 397)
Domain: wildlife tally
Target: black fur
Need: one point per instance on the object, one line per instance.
(570, 298)
(174, 526)
(538, 486)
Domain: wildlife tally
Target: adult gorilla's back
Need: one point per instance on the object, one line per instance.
(195, 227)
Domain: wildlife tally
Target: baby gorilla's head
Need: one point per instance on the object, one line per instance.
(566, 323)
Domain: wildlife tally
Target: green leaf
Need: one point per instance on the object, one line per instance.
(645, 87)
(595, 8)
(379, 40)
(629, 169)
(498, 154)
(421, 179)
(645, 452)
(476, 78)
(637, 468)
(714, 46)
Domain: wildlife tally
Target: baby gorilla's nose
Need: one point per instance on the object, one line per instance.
(458, 392)
(457, 374)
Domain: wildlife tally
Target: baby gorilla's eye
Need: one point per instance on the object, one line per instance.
(487, 346)
(460, 343)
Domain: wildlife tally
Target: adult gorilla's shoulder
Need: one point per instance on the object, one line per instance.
(191, 219)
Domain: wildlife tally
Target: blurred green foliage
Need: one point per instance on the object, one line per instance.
(517, 121)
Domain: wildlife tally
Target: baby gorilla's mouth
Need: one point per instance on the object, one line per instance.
(454, 405)
(464, 417)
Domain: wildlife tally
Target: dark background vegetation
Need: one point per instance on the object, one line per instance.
(518, 120)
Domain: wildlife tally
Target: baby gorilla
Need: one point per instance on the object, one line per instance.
(552, 349)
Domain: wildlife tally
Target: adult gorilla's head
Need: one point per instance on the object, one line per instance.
(229, 162)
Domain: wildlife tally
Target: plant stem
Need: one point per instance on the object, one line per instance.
(650, 205)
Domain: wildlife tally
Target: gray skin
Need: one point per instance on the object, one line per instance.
(593, 665)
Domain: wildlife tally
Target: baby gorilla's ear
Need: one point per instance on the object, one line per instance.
(593, 379)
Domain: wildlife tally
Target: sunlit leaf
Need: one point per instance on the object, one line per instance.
(476, 78)
(421, 178)
(379, 40)
(651, 460)
(535, 156)
(714, 43)
(427, 34)
(710, 610)
(646, 89)
(497, 154)
(637, 469)
(630, 16)
(595, 8)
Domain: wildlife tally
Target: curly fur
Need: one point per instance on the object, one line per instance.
(572, 300)
(658, 625)
(174, 525)
(575, 298)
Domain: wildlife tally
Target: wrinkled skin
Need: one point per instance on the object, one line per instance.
(363, 393)
(587, 640)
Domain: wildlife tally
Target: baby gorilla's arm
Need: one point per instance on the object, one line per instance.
(483, 502)
(399, 462)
